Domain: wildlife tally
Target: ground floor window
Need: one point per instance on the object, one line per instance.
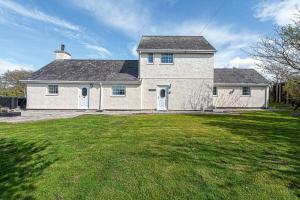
(118, 90)
(53, 89)
(246, 91)
(215, 91)
(166, 58)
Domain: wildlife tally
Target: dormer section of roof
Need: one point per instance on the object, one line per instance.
(175, 44)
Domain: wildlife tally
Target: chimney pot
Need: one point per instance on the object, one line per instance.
(62, 54)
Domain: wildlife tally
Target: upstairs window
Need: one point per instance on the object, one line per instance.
(246, 91)
(215, 91)
(150, 58)
(166, 58)
(53, 89)
(118, 90)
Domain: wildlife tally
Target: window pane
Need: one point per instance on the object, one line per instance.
(53, 89)
(162, 93)
(150, 57)
(84, 92)
(166, 58)
(118, 90)
(215, 91)
(246, 91)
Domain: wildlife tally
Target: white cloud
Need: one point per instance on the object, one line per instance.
(243, 62)
(67, 29)
(281, 12)
(133, 50)
(37, 15)
(131, 17)
(228, 40)
(10, 64)
(101, 51)
(218, 34)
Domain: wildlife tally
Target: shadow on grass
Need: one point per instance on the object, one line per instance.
(21, 164)
(263, 142)
(278, 135)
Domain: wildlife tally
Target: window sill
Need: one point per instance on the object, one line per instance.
(150, 63)
(117, 95)
(166, 63)
(215, 95)
(51, 94)
(245, 95)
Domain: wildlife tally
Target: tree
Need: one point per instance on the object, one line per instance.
(293, 89)
(10, 82)
(279, 55)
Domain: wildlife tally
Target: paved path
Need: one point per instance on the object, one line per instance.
(35, 115)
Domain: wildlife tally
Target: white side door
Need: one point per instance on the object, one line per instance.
(162, 97)
(84, 94)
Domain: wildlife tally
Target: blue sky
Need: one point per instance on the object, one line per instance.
(30, 30)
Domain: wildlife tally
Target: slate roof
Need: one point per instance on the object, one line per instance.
(126, 70)
(237, 76)
(196, 43)
(88, 70)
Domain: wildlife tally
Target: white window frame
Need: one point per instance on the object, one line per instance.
(216, 91)
(118, 87)
(53, 92)
(166, 63)
(246, 95)
(150, 63)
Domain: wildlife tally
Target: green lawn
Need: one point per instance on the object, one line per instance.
(255, 155)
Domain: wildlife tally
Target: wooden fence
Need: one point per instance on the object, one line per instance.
(279, 95)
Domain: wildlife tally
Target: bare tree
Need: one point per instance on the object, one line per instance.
(279, 55)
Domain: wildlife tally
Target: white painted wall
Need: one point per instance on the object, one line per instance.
(184, 94)
(231, 96)
(67, 98)
(185, 66)
(190, 77)
(131, 101)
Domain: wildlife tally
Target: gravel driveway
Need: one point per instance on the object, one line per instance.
(35, 115)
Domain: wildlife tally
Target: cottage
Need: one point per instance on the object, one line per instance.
(172, 73)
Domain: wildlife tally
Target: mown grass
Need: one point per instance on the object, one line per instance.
(255, 155)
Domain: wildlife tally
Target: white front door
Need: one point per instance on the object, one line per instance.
(162, 97)
(84, 92)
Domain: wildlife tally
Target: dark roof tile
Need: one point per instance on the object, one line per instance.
(88, 70)
(237, 76)
(175, 43)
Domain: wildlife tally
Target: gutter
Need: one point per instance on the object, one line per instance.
(102, 82)
(176, 50)
(267, 92)
(241, 84)
(100, 96)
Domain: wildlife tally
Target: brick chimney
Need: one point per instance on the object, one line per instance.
(62, 54)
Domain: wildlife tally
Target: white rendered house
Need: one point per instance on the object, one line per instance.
(172, 73)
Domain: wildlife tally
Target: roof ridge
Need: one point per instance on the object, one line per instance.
(172, 36)
(235, 68)
(78, 59)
